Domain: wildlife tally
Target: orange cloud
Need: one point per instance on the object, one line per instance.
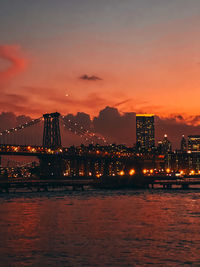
(12, 55)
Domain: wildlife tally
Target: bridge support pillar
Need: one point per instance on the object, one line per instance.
(167, 186)
(185, 186)
(92, 168)
(0, 165)
(72, 167)
(106, 167)
(77, 168)
(85, 167)
(52, 167)
(114, 168)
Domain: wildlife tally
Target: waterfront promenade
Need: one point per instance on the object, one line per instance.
(77, 183)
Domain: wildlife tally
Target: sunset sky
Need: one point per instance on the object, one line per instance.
(84, 55)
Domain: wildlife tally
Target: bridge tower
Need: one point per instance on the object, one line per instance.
(51, 167)
(51, 133)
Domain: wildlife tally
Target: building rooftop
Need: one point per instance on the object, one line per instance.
(145, 115)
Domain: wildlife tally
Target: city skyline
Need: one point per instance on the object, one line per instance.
(115, 127)
(99, 132)
(138, 56)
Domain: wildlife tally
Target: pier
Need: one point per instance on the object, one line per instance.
(44, 185)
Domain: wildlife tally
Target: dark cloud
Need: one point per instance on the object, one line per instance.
(195, 120)
(89, 78)
(22, 119)
(7, 120)
(121, 128)
(69, 138)
(180, 117)
(81, 118)
(174, 129)
(31, 135)
(114, 126)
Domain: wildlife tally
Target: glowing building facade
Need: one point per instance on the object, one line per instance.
(193, 143)
(164, 146)
(145, 133)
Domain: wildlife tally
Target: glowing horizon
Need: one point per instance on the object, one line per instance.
(137, 56)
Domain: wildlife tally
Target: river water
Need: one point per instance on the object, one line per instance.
(100, 228)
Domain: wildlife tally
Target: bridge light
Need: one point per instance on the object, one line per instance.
(144, 171)
(132, 172)
(151, 171)
(192, 172)
(168, 170)
(121, 173)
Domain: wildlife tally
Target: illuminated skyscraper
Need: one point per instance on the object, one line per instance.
(145, 134)
(164, 146)
(193, 143)
(183, 144)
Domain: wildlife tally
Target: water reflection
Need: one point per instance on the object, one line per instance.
(100, 228)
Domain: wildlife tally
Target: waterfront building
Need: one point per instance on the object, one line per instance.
(183, 161)
(193, 143)
(164, 146)
(183, 144)
(145, 133)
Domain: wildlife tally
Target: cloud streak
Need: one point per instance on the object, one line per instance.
(122, 102)
(17, 63)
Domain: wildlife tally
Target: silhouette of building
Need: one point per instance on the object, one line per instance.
(145, 133)
(193, 143)
(164, 146)
(183, 144)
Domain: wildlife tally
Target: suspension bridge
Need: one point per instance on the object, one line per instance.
(50, 164)
(56, 160)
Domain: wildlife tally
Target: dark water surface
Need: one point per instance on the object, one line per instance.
(100, 228)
